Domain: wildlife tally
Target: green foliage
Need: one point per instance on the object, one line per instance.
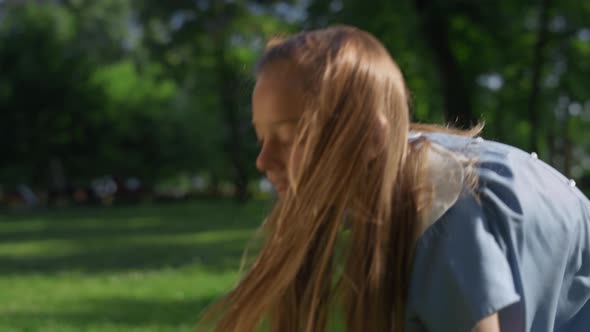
(125, 86)
(493, 44)
(47, 98)
(156, 88)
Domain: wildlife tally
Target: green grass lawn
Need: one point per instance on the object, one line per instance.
(147, 268)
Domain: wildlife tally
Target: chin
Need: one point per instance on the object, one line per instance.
(281, 192)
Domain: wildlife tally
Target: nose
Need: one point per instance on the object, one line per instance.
(267, 158)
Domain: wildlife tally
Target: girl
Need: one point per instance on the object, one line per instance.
(401, 227)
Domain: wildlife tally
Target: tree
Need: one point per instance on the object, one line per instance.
(46, 98)
(216, 42)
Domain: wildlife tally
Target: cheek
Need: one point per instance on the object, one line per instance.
(295, 155)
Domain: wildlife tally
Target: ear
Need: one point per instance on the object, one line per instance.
(378, 137)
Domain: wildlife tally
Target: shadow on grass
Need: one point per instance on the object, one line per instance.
(93, 222)
(218, 255)
(213, 234)
(124, 312)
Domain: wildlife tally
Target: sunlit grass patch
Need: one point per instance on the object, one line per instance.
(149, 268)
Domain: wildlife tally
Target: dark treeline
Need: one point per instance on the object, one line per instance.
(153, 96)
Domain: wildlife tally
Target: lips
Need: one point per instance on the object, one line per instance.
(281, 190)
(280, 186)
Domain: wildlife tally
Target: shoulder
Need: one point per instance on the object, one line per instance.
(499, 175)
(462, 165)
(447, 175)
(481, 254)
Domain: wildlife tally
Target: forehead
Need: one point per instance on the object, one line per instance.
(277, 97)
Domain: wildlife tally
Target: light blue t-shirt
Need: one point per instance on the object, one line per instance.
(522, 250)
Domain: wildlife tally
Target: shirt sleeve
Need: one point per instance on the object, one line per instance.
(460, 274)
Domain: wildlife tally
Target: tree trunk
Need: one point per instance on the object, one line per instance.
(228, 95)
(551, 144)
(568, 149)
(537, 68)
(457, 96)
(228, 86)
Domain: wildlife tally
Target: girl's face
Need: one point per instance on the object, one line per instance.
(277, 105)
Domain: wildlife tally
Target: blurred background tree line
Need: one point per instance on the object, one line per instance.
(130, 100)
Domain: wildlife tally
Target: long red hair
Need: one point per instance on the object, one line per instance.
(372, 202)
